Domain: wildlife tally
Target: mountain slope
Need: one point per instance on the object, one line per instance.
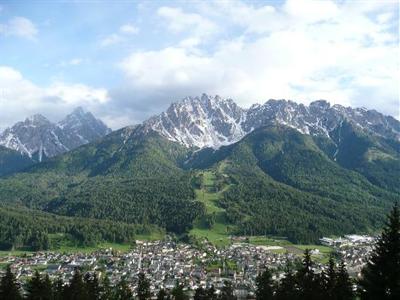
(128, 176)
(38, 138)
(284, 184)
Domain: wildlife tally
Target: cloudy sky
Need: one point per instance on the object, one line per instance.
(127, 60)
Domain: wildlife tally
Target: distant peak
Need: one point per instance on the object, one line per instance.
(320, 103)
(37, 118)
(79, 111)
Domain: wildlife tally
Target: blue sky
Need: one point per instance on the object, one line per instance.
(128, 60)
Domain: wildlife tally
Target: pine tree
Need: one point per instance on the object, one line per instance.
(34, 287)
(122, 291)
(211, 293)
(309, 284)
(178, 293)
(343, 287)
(227, 292)
(162, 295)
(58, 289)
(200, 294)
(143, 289)
(47, 288)
(381, 275)
(106, 290)
(92, 286)
(76, 289)
(264, 285)
(8, 286)
(329, 280)
(287, 288)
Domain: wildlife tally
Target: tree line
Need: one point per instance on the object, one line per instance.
(380, 280)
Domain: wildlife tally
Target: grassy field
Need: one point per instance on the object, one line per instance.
(218, 234)
(63, 245)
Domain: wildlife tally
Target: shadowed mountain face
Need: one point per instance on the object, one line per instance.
(38, 138)
(12, 161)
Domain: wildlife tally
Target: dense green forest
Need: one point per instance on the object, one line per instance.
(22, 228)
(275, 181)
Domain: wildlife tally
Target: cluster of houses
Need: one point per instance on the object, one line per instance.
(353, 249)
(165, 263)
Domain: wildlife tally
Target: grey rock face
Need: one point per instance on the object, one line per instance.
(208, 121)
(39, 138)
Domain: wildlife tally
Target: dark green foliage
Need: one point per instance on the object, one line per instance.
(92, 286)
(8, 286)
(343, 287)
(277, 182)
(178, 293)
(227, 292)
(25, 228)
(128, 176)
(284, 185)
(381, 275)
(39, 288)
(309, 283)
(122, 291)
(264, 285)
(200, 294)
(106, 289)
(76, 290)
(58, 289)
(143, 288)
(162, 295)
(288, 288)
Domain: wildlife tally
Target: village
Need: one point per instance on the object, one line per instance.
(167, 263)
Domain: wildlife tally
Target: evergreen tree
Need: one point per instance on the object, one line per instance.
(143, 289)
(211, 293)
(178, 293)
(8, 286)
(122, 291)
(200, 294)
(381, 275)
(343, 287)
(227, 292)
(76, 289)
(92, 286)
(106, 290)
(34, 288)
(309, 284)
(58, 289)
(329, 280)
(47, 287)
(265, 289)
(287, 288)
(162, 295)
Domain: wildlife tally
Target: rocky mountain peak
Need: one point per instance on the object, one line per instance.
(38, 138)
(212, 121)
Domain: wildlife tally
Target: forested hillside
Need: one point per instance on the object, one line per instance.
(277, 181)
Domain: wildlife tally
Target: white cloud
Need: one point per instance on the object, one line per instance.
(123, 34)
(303, 50)
(20, 97)
(20, 27)
(179, 21)
(129, 29)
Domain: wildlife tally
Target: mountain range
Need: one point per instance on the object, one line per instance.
(38, 138)
(280, 168)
